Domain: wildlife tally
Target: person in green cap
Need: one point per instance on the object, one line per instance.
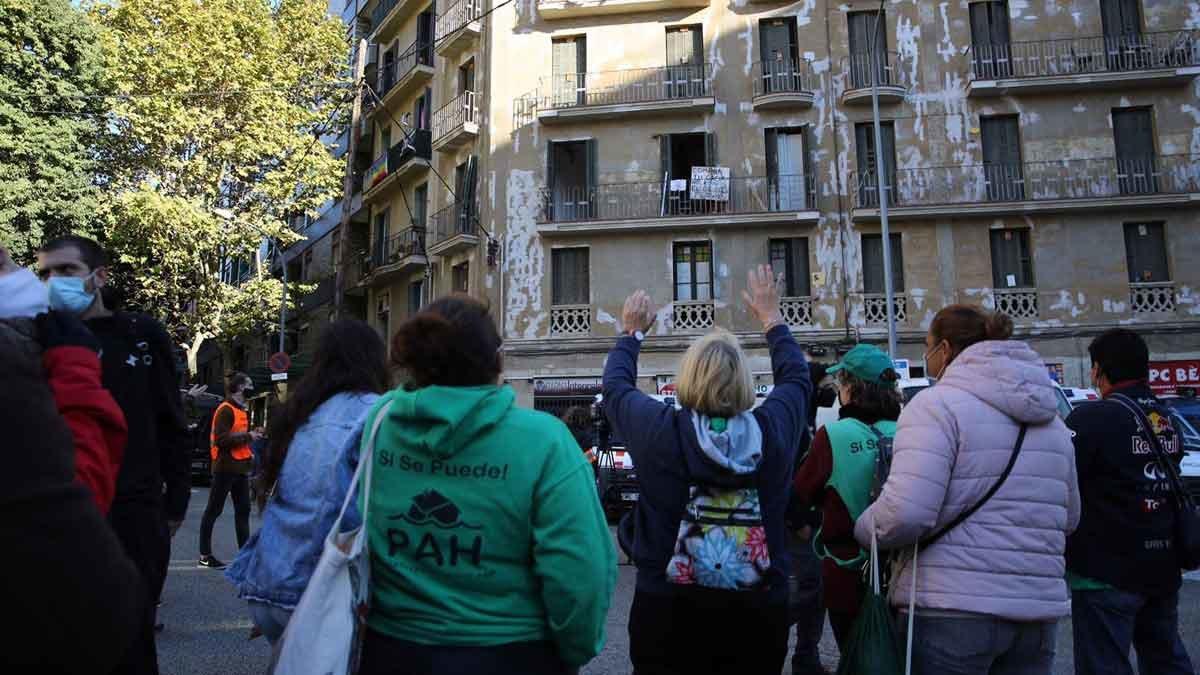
(839, 472)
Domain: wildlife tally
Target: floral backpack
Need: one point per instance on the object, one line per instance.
(721, 542)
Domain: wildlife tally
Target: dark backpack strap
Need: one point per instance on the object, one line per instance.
(1182, 499)
(932, 539)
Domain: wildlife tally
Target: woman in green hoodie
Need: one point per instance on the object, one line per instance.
(489, 550)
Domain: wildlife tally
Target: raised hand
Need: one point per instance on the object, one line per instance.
(762, 296)
(638, 314)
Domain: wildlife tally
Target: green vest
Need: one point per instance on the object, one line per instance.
(854, 451)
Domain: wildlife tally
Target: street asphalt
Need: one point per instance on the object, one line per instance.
(207, 626)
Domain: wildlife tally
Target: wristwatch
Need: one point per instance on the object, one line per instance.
(636, 335)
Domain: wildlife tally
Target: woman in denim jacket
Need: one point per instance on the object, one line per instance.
(299, 488)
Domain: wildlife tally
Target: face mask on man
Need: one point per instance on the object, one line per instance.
(70, 294)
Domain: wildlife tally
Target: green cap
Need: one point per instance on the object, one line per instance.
(866, 362)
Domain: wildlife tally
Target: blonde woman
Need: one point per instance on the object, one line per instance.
(709, 542)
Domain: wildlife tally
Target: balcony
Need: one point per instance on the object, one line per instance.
(783, 84)
(1086, 63)
(858, 71)
(624, 207)
(402, 160)
(456, 123)
(1017, 303)
(797, 312)
(387, 15)
(570, 320)
(875, 308)
(406, 74)
(1033, 187)
(400, 253)
(692, 316)
(455, 229)
(579, 97)
(569, 9)
(458, 27)
(1152, 298)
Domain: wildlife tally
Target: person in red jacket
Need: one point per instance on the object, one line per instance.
(72, 370)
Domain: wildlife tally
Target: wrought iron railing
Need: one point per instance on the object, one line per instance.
(419, 146)
(1152, 297)
(462, 110)
(456, 16)
(1018, 303)
(858, 69)
(1032, 181)
(692, 315)
(570, 320)
(1083, 55)
(633, 85)
(797, 312)
(875, 308)
(456, 219)
(408, 242)
(381, 11)
(633, 201)
(783, 75)
(417, 54)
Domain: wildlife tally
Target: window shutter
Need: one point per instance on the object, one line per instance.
(771, 137)
(801, 283)
(872, 263)
(593, 175)
(1146, 253)
(897, 264)
(710, 149)
(664, 156)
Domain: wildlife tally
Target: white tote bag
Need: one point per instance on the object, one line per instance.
(324, 633)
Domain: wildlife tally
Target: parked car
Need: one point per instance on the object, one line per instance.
(1186, 409)
(1077, 396)
(199, 409)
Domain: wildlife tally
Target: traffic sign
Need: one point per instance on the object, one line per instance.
(279, 362)
(279, 377)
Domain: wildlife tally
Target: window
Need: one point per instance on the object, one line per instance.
(385, 138)
(387, 74)
(1133, 134)
(415, 296)
(679, 153)
(789, 257)
(693, 270)
(1002, 159)
(685, 61)
(425, 32)
(569, 276)
(1124, 46)
(466, 77)
(568, 71)
(571, 175)
(1012, 264)
(991, 45)
(872, 253)
(779, 53)
(787, 168)
(422, 110)
(864, 146)
(308, 270)
(420, 205)
(864, 52)
(461, 278)
(1146, 252)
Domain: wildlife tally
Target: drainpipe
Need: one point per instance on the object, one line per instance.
(837, 178)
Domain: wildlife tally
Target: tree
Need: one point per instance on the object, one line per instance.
(216, 141)
(51, 98)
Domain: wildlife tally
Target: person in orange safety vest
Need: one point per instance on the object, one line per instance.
(231, 465)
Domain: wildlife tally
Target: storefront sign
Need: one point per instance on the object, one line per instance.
(573, 386)
(1167, 376)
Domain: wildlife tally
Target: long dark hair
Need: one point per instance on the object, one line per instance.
(453, 342)
(350, 357)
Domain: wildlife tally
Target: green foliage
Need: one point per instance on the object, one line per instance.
(51, 87)
(223, 154)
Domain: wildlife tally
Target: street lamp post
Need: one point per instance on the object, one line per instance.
(882, 186)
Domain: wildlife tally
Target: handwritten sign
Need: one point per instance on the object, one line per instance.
(710, 183)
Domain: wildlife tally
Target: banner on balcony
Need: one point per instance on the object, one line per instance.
(710, 183)
(1167, 376)
(377, 172)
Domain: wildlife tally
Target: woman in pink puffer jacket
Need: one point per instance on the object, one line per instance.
(990, 592)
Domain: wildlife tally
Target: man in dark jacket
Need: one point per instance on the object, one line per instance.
(139, 370)
(1122, 566)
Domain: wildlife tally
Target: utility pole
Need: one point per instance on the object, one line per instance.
(283, 294)
(343, 237)
(876, 60)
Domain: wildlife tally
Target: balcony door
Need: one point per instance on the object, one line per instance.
(425, 33)
(1124, 46)
(1012, 263)
(571, 179)
(569, 71)
(679, 153)
(991, 45)
(381, 238)
(872, 262)
(786, 169)
(868, 47)
(778, 43)
(1002, 170)
(693, 270)
(1137, 166)
(1146, 253)
(685, 62)
(868, 178)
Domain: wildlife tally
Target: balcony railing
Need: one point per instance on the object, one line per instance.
(382, 10)
(1033, 181)
(875, 308)
(320, 296)
(797, 312)
(633, 85)
(1084, 55)
(858, 68)
(1018, 303)
(1155, 297)
(570, 320)
(408, 242)
(634, 201)
(464, 109)
(692, 315)
(784, 75)
(417, 54)
(456, 219)
(456, 16)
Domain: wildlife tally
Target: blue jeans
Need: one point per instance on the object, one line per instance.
(1107, 623)
(971, 645)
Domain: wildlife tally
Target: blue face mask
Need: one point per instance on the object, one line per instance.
(70, 294)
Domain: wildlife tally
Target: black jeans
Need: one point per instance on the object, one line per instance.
(713, 632)
(384, 655)
(226, 483)
(142, 529)
(1106, 623)
(806, 605)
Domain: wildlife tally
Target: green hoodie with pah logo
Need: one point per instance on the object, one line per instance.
(484, 525)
